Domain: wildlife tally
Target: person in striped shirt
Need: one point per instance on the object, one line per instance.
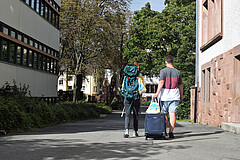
(170, 89)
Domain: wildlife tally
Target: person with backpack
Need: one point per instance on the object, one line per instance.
(131, 91)
(171, 89)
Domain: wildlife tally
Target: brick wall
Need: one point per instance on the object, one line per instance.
(216, 102)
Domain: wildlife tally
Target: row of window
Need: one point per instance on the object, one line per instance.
(151, 88)
(26, 39)
(45, 10)
(17, 54)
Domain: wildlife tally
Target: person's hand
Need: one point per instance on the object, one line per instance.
(155, 96)
(181, 98)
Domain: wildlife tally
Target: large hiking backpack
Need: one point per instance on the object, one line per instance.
(130, 82)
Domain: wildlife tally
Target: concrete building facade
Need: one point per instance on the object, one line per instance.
(29, 44)
(219, 63)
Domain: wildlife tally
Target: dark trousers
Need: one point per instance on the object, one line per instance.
(134, 106)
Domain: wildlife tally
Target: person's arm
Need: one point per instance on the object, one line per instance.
(181, 91)
(160, 85)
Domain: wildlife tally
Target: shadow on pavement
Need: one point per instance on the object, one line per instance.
(111, 122)
(75, 149)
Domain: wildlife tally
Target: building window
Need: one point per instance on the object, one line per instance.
(70, 87)
(19, 37)
(25, 57)
(38, 6)
(55, 66)
(42, 8)
(35, 62)
(54, 19)
(33, 4)
(152, 89)
(35, 44)
(46, 12)
(13, 34)
(57, 21)
(25, 39)
(95, 79)
(5, 30)
(40, 62)
(204, 85)
(19, 55)
(83, 88)
(50, 15)
(52, 66)
(44, 63)
(40, 47)
(4, 50)
(205, 4)
(31, 43)
(211, 23)
(27, 2)
(60, 82)
(12, 53)
(147, 88)
(95, 89)
(209, 84)
(70, 78)
(30, 58)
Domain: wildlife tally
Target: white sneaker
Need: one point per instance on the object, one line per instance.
(135, 134)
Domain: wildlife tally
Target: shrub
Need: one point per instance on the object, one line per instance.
(18, 112)
(117, 105)
(145, 103)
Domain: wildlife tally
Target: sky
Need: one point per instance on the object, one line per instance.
(156, 5)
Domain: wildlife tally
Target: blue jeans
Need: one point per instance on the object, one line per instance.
(169, 106)
(134, 106)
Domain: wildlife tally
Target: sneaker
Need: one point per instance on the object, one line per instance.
(135, 134)
(171, 135)
(126, 134)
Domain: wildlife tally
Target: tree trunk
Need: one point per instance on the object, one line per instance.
(77, 88)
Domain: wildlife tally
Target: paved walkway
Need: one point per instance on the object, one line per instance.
(103, 139)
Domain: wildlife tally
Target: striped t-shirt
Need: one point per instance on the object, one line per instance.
(172, 78)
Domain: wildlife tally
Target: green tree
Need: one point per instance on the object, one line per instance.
(90, 34)
(171, 32)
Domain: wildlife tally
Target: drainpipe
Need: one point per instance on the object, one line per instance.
(196, 61)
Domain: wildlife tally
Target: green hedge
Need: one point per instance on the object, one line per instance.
(21, 113)
(145, 103)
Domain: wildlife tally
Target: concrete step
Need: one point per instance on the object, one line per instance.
(231, 127)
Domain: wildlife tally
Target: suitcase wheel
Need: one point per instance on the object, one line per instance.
(146, 136)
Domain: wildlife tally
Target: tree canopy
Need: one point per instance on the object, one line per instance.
(91, 34)
(171, 32)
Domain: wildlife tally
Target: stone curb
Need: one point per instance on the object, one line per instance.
(231, 127)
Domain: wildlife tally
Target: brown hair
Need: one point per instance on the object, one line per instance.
(169, 59)
(135, 63)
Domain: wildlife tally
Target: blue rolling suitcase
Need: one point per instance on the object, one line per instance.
(154, 126)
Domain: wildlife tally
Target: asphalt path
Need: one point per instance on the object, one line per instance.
(103, 139)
